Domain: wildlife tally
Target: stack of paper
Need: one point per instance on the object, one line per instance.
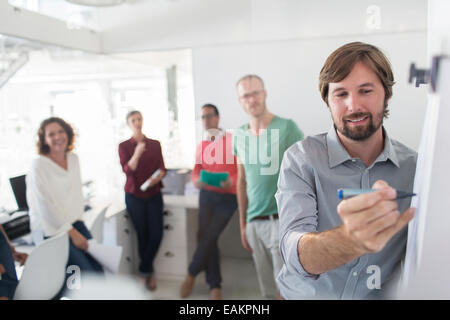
(108, 256)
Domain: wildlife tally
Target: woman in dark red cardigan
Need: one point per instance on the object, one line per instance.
(141, 158)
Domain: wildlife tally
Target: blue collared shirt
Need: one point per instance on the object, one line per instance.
(311, 172)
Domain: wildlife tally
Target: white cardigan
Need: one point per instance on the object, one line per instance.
(54, 195)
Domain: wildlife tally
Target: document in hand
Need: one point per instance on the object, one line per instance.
(108, 256)
(213, 178)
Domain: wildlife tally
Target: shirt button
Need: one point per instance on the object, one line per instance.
(355, 274)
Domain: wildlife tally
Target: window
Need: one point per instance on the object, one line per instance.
(74, 15)
(94, 93)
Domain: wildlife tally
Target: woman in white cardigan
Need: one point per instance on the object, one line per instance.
(54, 192)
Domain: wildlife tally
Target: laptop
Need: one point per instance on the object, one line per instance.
(19, 220)
(19, 189)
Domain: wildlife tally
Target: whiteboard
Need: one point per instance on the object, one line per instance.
(427, 263)
(426, 273)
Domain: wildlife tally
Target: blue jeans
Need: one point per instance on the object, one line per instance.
(8, 282)
(215, 211)
(147, 217)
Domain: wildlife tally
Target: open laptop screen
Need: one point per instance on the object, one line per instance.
(18, 186)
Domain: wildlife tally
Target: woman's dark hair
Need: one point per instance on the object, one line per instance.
(42, 147)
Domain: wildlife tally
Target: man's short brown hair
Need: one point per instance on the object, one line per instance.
(341, 62)
(42, 147)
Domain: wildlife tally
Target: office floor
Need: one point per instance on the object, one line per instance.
(239, 282)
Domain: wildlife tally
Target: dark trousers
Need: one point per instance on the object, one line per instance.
(8, 282)
(147, 217)
(80, 258)
(215, 210)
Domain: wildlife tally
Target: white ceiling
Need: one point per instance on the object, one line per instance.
(143, 25)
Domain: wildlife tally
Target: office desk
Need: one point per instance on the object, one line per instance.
(179, 237)
(178, 243)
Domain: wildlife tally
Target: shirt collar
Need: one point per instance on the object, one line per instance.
(337, 153)
(216, 133)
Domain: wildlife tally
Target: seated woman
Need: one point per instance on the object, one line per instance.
(54, 192)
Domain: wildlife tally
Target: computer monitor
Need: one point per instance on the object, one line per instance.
(19, 188)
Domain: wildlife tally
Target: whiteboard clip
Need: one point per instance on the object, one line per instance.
(422, 75)
(434, 71)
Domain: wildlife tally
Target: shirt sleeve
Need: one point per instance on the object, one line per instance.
(297, 207)
(234, 142)
(229, 154)
(42, 199)
(124, 157)
(161, 159)
(195, 174)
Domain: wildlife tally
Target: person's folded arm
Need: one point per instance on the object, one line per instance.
(233, 173)
(124, 159)
(195, 174)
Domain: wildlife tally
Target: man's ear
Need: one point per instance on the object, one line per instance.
(2, 269)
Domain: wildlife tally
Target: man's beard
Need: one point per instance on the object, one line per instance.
(360, 133)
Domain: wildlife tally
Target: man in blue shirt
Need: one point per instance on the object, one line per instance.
(349, 249)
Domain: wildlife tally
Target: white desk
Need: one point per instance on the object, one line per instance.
(178, 243)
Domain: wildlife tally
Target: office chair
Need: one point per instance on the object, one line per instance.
(44, 272)
(96, 228)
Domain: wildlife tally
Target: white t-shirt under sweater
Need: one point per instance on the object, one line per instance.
(54, 195)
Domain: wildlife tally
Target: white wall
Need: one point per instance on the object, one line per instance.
(284, 41)
(290, 70)
(439, 26)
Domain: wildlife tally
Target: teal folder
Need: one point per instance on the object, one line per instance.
(213, 178)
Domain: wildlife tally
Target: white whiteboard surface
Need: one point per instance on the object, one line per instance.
(427, 263)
